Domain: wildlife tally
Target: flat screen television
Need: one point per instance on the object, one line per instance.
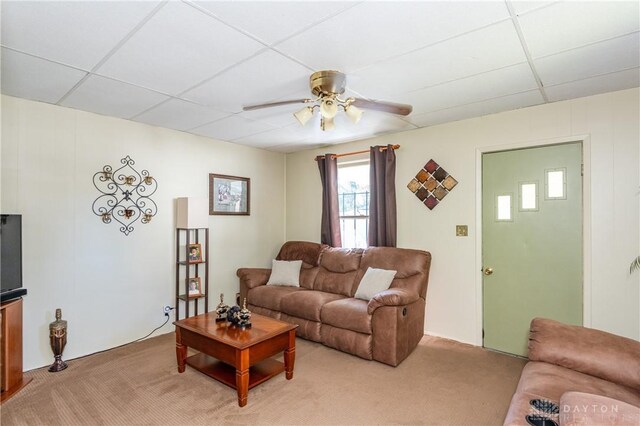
(11, 257)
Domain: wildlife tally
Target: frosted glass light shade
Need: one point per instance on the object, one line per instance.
(192, 213)
(327, 124)
(304, 115)
(328, 108)
(354, 113)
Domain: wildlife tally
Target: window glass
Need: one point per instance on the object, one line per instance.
(503, 204)
(556, 184)
(529, 196)
(353, 200)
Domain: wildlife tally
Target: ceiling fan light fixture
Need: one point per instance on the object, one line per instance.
(328, 108)
(327, 124)
(354, 113)
(304, 115)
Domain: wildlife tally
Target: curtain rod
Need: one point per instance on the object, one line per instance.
(382, 148)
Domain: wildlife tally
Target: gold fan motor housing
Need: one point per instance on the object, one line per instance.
(327, 83)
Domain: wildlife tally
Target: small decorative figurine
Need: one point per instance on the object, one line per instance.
(222, 309)
(244, 316)
(58, 340)
(232, 314)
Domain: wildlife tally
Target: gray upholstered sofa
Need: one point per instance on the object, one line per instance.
(386, 328)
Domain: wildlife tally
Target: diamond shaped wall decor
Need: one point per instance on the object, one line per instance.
(431, 184)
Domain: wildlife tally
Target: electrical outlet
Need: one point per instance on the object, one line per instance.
(166, 309)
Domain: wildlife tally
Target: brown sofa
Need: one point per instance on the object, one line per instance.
(386, 328)
(591, 376)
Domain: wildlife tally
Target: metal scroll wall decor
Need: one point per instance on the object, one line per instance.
(125, 195)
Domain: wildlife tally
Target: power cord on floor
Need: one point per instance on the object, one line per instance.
(166, 314)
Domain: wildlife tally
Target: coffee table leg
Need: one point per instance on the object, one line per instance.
(181, 354)
(242, 376)
(290, 355)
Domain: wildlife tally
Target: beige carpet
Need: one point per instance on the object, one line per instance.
(441, 383)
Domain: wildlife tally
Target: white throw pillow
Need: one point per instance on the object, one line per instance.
(373, 282)
(285, 272)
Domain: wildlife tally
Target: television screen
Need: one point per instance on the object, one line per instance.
(11, 248)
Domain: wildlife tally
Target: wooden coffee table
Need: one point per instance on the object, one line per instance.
(238, 358)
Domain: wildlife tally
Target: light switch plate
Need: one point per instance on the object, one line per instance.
(462, 230)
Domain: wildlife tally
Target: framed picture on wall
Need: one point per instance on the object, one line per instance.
(229, 195)
(195, 253)
(195, 286)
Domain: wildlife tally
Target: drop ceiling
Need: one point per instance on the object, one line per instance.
(192, 65)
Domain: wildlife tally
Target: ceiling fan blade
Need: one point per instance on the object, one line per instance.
(274, 104)
(399, 109)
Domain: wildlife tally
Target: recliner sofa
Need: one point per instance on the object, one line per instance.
(592, 377)
(386, 328)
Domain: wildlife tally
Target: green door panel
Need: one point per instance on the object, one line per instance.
(536, 256)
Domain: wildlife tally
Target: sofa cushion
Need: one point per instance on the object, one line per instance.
(270, 296)
(307, 304)
(551, 381)
(579, 408)
(285, 272)
(338, 270)
(350, 314)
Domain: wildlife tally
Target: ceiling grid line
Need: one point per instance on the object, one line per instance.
(525, 48)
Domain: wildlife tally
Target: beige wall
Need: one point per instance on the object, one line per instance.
(112, 287)
(611, 123)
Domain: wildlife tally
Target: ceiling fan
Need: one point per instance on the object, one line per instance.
(327, 86)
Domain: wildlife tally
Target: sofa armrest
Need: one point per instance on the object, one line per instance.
(391, 297)
(594, 352)
(579, 408)
(253, 277)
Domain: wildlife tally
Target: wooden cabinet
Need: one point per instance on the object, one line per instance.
(189, 268)
(11, 378)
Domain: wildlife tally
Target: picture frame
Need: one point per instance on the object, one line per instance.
(194, 286)
(229, 195)
(194, 253)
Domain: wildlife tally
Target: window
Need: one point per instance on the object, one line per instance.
(503, 208)
(528, 196)
(556, 184)
(353, 200)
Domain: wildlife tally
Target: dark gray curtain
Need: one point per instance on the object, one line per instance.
(382, 207)
(330, 225)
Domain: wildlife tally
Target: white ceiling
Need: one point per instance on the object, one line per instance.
(193, 65)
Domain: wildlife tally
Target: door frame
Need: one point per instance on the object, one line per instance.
(586, 222)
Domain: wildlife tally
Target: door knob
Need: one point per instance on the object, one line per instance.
(488, 271)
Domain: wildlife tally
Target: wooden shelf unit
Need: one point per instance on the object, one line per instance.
(191, 270)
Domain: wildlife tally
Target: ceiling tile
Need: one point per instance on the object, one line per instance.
(294, 133)
(230, 128)
(478, 109)
(505, 81)
(78, 33)
(523, 6)
(373, 31)
(28, 77)
(291, 16)
(263, 78)
(178, 48)
(180, 115)
(572, 24)
(592, 86)
(489, 48)
(295, 147)
(105, 96)
(600, 58)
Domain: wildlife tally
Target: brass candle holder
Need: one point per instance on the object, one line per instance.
(58, 340)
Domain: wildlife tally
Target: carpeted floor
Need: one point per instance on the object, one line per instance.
(441, 383)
